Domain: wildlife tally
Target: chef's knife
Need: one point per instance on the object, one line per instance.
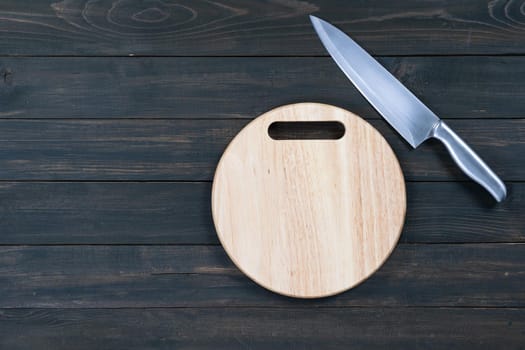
(404, 111)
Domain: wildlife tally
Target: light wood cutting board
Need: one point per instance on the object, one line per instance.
(308, 218)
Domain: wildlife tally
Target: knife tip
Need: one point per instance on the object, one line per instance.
(314, 19)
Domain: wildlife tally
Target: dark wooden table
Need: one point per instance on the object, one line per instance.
(113, 115)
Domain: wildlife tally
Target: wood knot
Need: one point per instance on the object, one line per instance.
(151, 15)
(7, 76)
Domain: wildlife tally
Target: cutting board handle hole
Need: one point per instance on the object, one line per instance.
(321, 130)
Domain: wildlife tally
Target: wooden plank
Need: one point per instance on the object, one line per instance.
(461, 212)
(234, 27)
(105, 213)
(257, 328)
(185, 150)
(454, 87)
(179, 213)
(189, 276)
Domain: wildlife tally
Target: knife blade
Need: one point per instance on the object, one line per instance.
(414, 121)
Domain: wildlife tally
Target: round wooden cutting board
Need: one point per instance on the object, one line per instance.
(308, 218)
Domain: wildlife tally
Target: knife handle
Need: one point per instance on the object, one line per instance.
(469, 161)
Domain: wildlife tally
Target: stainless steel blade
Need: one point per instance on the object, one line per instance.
(404, 111)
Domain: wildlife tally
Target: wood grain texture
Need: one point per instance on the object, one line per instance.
(185, 150)
(257, 328)
(180, 213)
(308, 218)
(234, 27)
(465, 275)
(167, 87)
(105, 213)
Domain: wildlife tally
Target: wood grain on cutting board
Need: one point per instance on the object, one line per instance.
(309, 218)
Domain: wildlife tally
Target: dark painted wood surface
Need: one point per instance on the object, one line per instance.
(280, 27)
(211, 88)
(106, 162)
(467, 275)
(264, 328)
